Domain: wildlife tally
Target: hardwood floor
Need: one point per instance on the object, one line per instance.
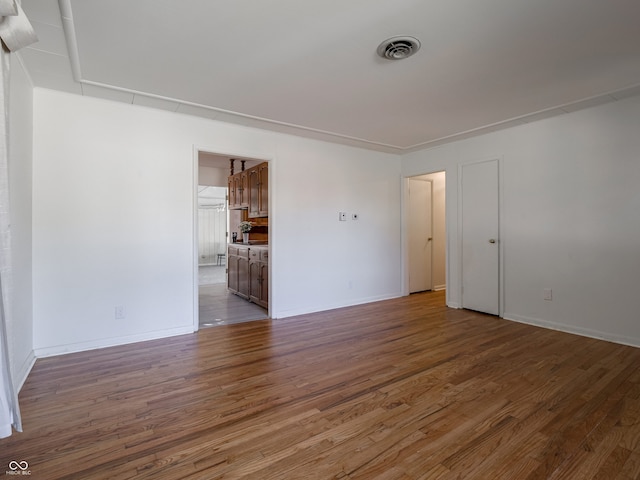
(400, 389)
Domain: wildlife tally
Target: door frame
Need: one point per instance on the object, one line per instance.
(258, 156)
(405, 231)
(501, 236)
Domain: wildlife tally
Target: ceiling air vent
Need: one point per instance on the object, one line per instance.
(397, 48)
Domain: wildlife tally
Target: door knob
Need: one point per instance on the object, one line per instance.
(492, 240)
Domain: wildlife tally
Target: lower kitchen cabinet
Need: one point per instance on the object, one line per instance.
(259, 276)
(238, 271)
(248, 272)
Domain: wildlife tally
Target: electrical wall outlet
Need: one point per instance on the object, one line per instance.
(119, 312)
(342, 216)
(547, 294)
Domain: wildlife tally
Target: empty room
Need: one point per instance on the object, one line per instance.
(427, 213)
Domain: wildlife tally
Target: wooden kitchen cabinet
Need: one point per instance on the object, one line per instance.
(248, 264)
(231, 191)
(243, 200)
(259, 275)
(259, 190)
(238, 270)
(263, 190)
(254, 184)
(249, 190)
(238, 185)
(248, 272)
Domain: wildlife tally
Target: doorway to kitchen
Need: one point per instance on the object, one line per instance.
(216, 305)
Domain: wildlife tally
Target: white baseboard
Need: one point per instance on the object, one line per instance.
(585, 332)
(24, 370)
(321, 308)
(110, 342)
(438, 288)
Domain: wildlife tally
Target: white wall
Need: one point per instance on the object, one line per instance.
(113, 210)
(20, 330)
(569, 217)
(216, 177)
(320, 262)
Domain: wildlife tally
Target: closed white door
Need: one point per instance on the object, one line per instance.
(480, 242)
(420, 235)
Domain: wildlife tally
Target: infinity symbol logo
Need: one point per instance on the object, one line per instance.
(13, 465)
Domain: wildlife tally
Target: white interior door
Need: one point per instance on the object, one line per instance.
(480, 242)
(420, 235)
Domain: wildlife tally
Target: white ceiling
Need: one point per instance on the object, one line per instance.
(310, 67)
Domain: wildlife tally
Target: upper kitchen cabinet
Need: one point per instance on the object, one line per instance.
(239, 190)
(231, 187)
(258, 179)
(249, 190)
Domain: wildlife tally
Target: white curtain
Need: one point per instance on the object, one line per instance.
(212, 223)
(15, 32)
(212, 234)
